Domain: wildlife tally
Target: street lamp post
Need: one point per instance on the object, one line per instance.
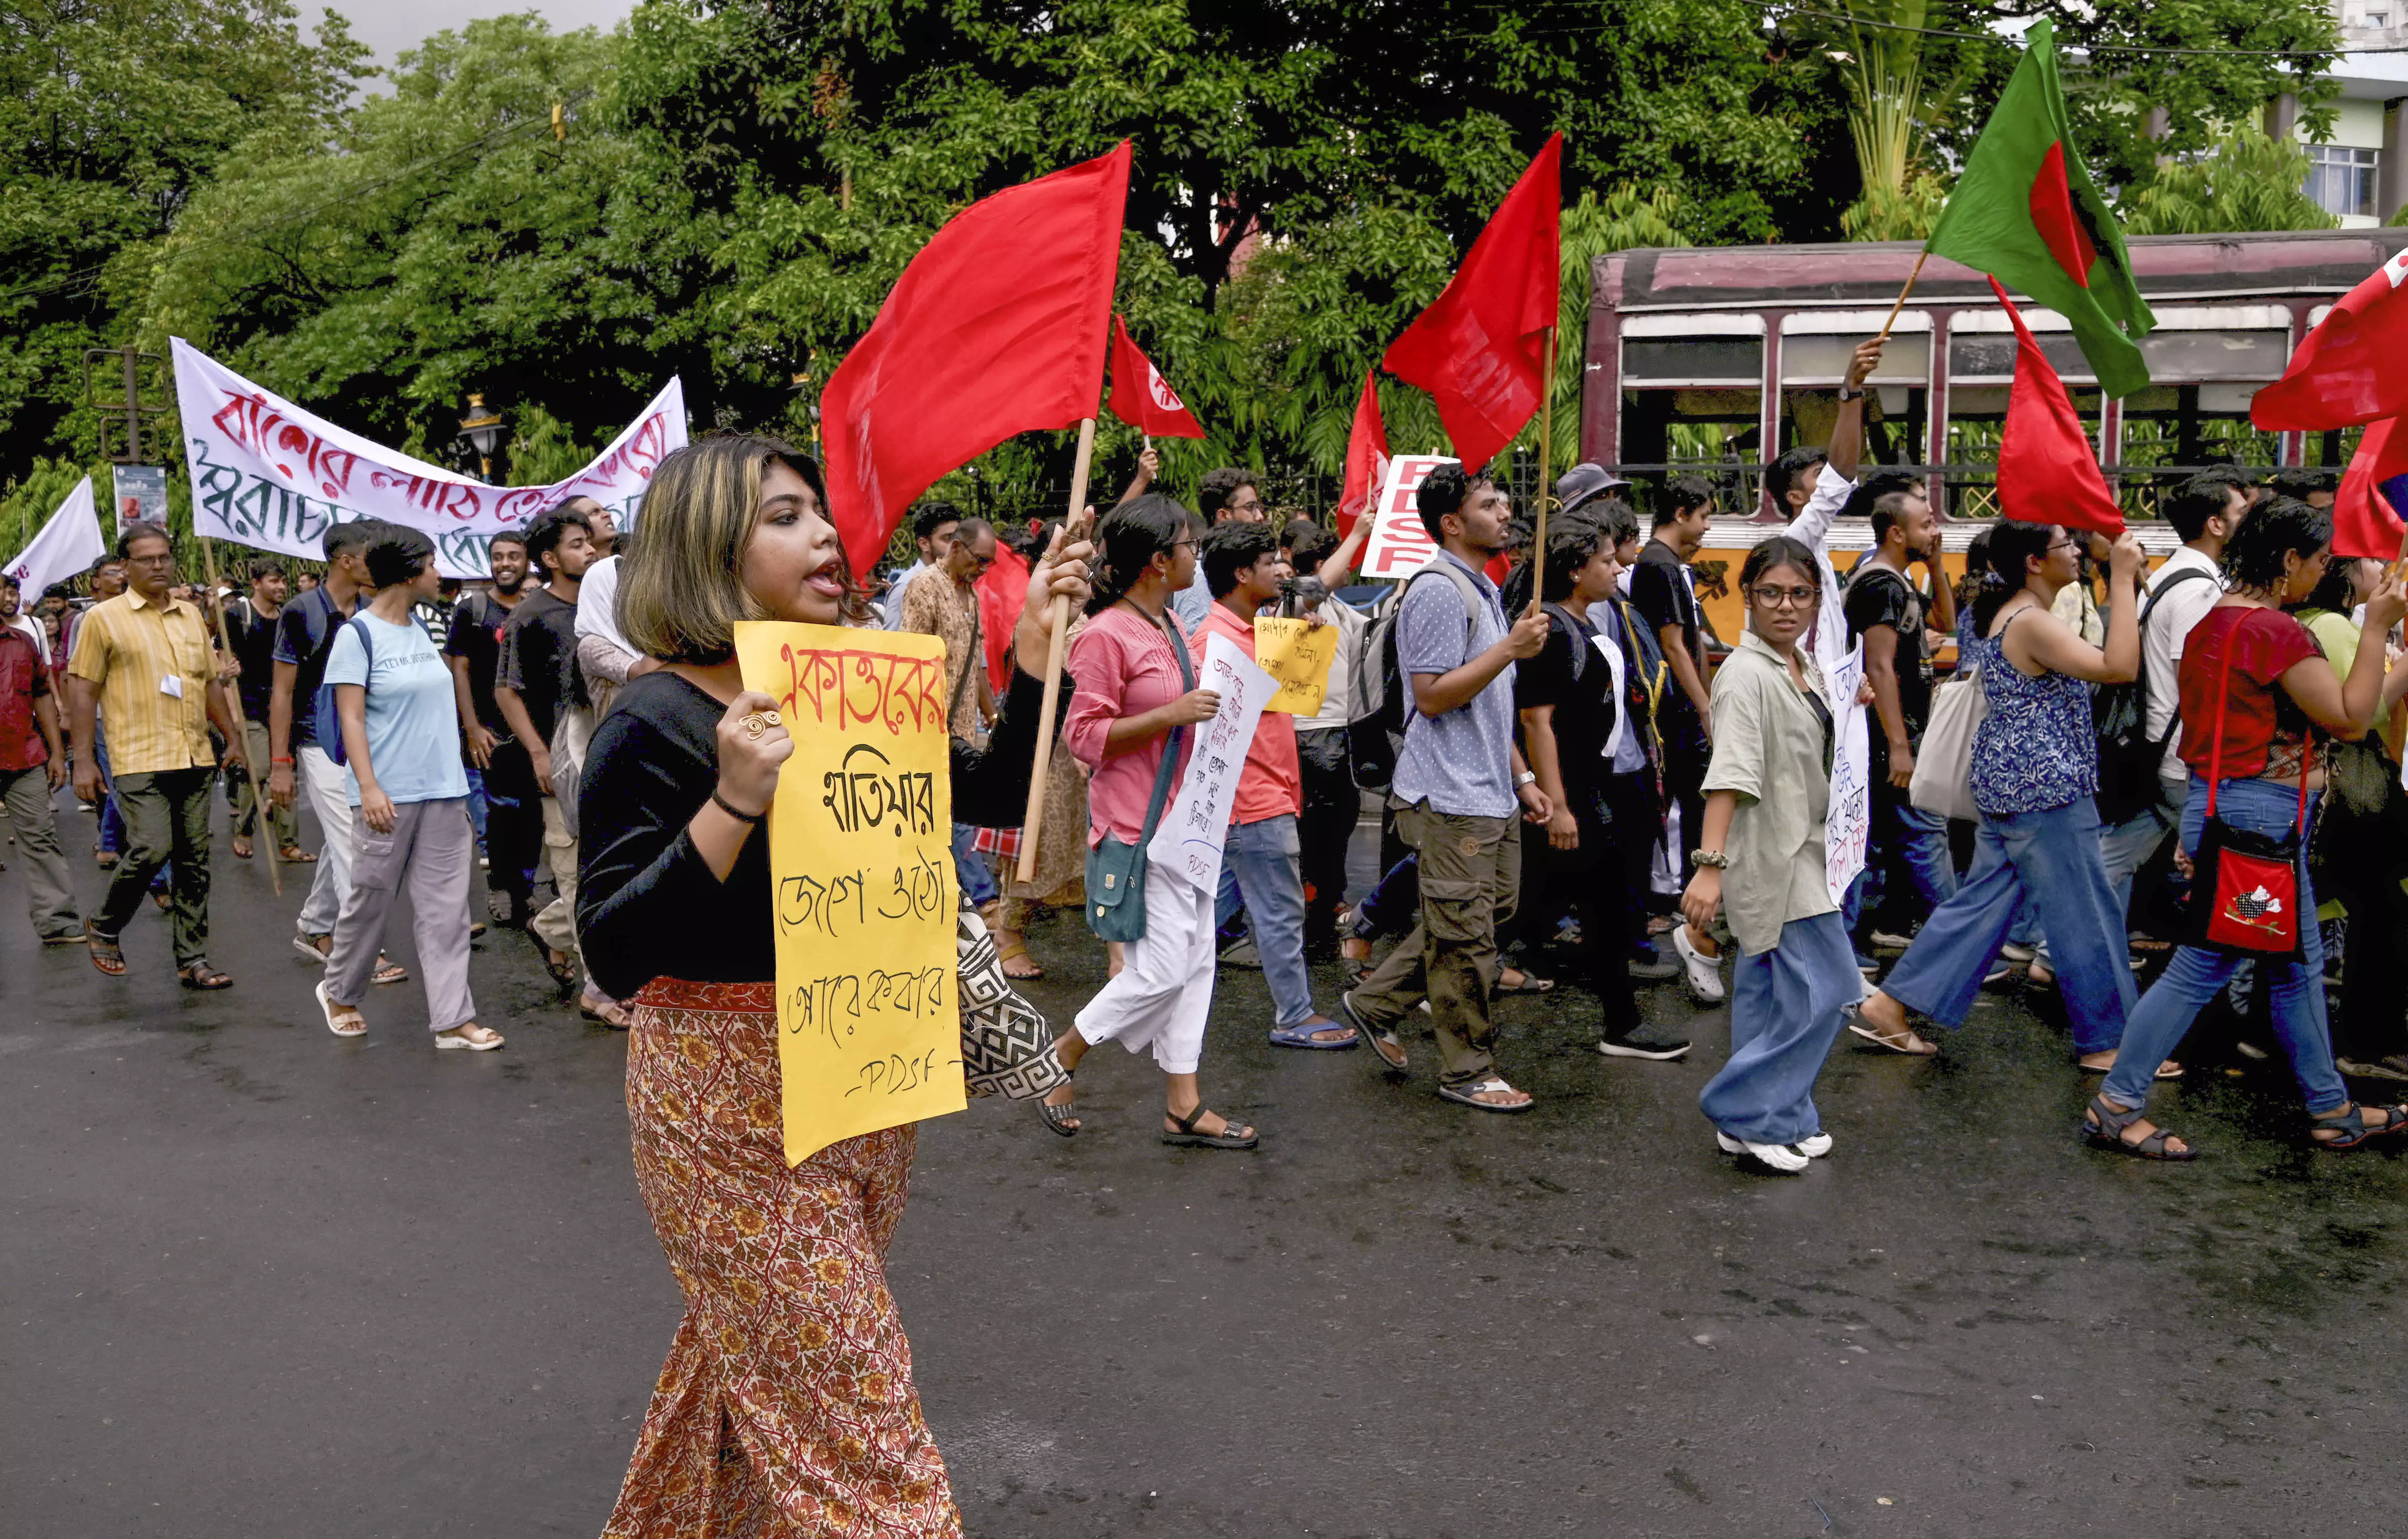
(482, 428)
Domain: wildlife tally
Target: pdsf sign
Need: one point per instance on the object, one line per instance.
(1399, 545)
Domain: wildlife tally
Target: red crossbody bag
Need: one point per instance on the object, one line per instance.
(2244, 886)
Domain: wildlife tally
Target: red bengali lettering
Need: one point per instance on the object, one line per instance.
(848, 687)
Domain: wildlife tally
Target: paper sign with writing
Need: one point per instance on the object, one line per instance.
(1297, 654)
(1399, 546)
(1849, 822)
(1198, 820)
(861, 861)
(272, 475)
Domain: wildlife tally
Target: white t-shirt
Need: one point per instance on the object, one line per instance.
(2161, 647)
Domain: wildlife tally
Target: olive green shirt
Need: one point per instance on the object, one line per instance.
(1768, 747)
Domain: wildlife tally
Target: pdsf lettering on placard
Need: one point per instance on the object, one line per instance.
(861, 858)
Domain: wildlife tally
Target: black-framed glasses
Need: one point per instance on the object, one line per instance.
(1772, 596)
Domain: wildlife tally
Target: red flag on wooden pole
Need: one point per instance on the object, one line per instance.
(1141, 398)
(1480, 350)
(996, 327)
(2048, 473)
(1367, 457)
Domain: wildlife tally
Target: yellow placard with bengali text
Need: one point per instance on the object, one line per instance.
(1297, 653)
(861, 863)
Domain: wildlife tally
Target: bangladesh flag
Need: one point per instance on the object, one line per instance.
(2026, 212)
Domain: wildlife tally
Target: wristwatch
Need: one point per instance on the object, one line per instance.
(1718, 859)
(1850, 393)
(1525, 778)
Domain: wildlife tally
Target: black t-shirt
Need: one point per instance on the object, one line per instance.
(254, 648)
(647, 903)
(1584, 705)
(1659, 591)
(538, 659)
(476, 635)
(1877, 596)
(306, 630)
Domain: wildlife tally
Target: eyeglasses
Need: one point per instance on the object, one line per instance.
(2063, 545)
(1772, 597)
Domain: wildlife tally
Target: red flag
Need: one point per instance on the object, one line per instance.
(996, 327)
(2365, 520)
(2048, 473)
(1367, 458)
(2348, 369)
(1141, 398)
(1480, 350)
(1002, 588)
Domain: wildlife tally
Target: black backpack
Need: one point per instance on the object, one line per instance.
(2128, 757)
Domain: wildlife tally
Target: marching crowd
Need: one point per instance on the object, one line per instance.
(1568, 765)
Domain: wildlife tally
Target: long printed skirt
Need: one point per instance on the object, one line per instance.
(786, 1407)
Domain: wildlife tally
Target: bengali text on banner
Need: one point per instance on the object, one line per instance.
(270, 475)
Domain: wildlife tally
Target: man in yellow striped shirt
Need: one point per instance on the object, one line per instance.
(144, 660)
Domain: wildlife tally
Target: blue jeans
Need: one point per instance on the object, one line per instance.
(1787, 1005)
(477, 805)
(2050, 857)
(1264, 859)
(1909, 842)
(969, 868)
(1394, 902)
(2126, 847)
(2195, 976)
(112, 821)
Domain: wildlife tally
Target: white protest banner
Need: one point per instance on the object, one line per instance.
(1197, 823)
(1849, 824)
(267, 474)
(68, 544)
(1399, 546)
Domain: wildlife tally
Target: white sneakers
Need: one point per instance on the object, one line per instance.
(1705, 974)
(1788, 1158)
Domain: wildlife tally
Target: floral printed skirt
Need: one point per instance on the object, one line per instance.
(786, 1407)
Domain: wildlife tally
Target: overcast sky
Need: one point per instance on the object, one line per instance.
(388, 27)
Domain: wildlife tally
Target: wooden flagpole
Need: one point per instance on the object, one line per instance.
(1546, 465)
(1033, 823)
(263, 823)
(1904, 292)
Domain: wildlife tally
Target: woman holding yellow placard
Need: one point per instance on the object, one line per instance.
(787, 1402)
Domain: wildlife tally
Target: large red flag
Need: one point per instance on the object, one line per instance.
(1141, 398)
(1367, 457)
(2366, 521)
(1002, 589)
(2048, 473)
(996, 327)
(1480, 350)
(2348, 371)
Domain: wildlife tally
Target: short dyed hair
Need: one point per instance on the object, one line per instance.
(547, 529)
(682, 590)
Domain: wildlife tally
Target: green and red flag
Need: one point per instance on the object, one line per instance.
(2026, 212)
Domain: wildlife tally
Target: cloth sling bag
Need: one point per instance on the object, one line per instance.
(1943, 763)
(1117, 867)
(2244, 886)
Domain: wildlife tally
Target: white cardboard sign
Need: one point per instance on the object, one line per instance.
(1194, 830)
(1399, 546)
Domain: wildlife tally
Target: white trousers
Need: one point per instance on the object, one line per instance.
(1162, 994)
(330, 796)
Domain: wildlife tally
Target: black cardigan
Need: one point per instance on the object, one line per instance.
(647, 903)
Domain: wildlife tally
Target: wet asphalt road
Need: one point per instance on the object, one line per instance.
(262, 1283)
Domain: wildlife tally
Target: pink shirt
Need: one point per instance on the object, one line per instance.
(1121, 664)
(1271, 786)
